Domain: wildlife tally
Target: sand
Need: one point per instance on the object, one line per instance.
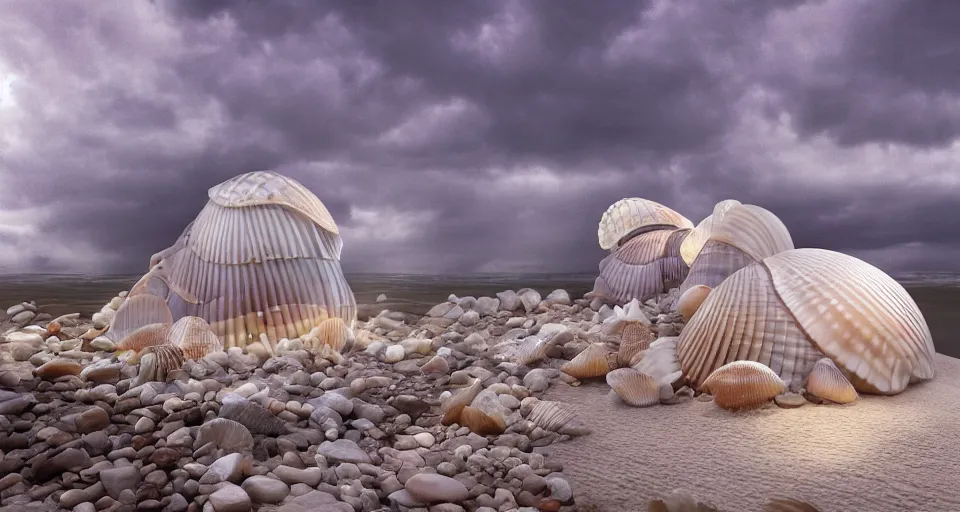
(878, 454)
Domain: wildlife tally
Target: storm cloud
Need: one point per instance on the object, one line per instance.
(479, 136)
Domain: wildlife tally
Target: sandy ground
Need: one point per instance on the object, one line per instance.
(878, 454)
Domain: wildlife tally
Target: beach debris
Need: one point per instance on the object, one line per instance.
(634, 388)
(742, 385)
(828, 383)
(800, 305)
(262, 256)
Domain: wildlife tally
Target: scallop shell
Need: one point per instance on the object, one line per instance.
(860, 317)
(631, 215)
(743, 319)
(828, 382)
(743, 385)
(261, 257)
(147, 336)
(157, 362)
(556, 417)
(659, 361)
(193, 335)
(690, 301)
(594, 361)
(634, 387)
(257, 419)
(136, 312)
(788, 505)
(227, 435)
(481, 423)
(698, 236)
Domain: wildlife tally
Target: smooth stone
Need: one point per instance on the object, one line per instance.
(230, 498)
(431, 487)
(343, 450)
(262, 489)
(228, 468)
(116, 480)
(790, 400)
(290, 475)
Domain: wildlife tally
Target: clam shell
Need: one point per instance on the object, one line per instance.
(193, 335)
(716, 262)
(754, 230)
(642, 267)
(743, 319)
(556, 417)
(690, 301)
(743, 385)
(261, 257)
(634, 387)
(147, 336)
(157, 362)
(593, 361)
(828, 382)
(857, 315)
(629, 215)
(257, 419)
(633, 329)
(227, 435)
(481, 423)
(136, 312)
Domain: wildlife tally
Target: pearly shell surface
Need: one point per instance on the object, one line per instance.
(631, 214)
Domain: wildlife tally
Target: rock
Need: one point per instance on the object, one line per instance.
(381, 298)
(536, 380)
(343, 450)
(262, 489)
(25, 337)
(437, 366)
(230, 498)
(425, 439)
(91, 420)
(315, 501)
(558, 296)
(440, 310)
(23, 317)
(15, 403)
(291, 476)
(509, 301)
(115, 480)
(487, 306)
(410, 405)
(790, 400)
(431, 487)
(393, 354)
(21, 351)
(228, 468)
(559, 488)
(57, 368)
(103, 343)
(469, 318)
(454, 313)
(530, 299)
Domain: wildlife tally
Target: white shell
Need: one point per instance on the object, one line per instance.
(631, 214)
(698, 237)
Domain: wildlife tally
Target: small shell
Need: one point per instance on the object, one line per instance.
(828, 382)
(332, 332)
(454, 405)
(634, 387)
(481, 423)
(146, 336)
(594, 361)
(257, 419)
(556, 417)
(629, 215)
(194, 336)
(743, 385)
(157, 362)
(531, 350)
(690, 301)
(227, 435)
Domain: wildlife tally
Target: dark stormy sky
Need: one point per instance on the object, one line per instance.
(479, 136)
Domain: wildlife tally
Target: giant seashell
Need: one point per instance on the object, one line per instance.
(227, 435)
(691, 300)
(157, 362)
(594, 361)
(257, 419)
(136, 312)
(634, 387)
(792, 308)
(744, 235)
(193, 335)
(556, 417)
(633, 329)
(645, 265)
(481, 423)
(743, 385)
(632, 215)
(262, 256)
(693, 243)
(828, 382)
(147, 336)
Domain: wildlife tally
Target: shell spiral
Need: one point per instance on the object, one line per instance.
(262, 256)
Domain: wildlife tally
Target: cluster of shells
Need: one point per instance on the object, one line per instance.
(763, 320)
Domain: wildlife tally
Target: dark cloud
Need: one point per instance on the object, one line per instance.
(481, 135)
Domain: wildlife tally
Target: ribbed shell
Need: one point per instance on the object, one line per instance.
(634, 337)
(261, 257)
(644, 266)
(743, 319)
(631, 214)
(531, 350)
(228, 435)
(857, 315)
(743, 385)
(715, 263)
(147, 336)
(690, 301)
(551, 416)
(593, 361)
(332, 332)
(693, 243)
(828, 382)
(194, 336)
(265, 187)
(257, 419)
(754, 230)
(480, 422)
(157, 362)
(137, 311)
(634, 387)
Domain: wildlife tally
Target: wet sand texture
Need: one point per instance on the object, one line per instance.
(878, 454)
